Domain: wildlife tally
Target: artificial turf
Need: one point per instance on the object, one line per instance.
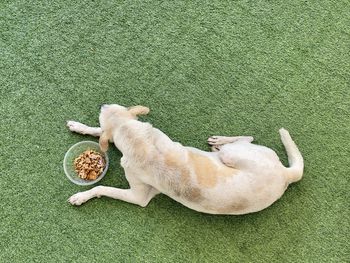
(204, 68)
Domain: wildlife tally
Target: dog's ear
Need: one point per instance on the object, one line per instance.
(138, 110)
(103, 142)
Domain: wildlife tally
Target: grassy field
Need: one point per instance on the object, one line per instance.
(204, 68)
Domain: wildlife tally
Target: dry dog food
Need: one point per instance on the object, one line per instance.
(89, 165)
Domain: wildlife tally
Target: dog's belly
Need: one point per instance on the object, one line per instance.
(240, 194)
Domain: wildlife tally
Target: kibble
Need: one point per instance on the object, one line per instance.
(89, 165)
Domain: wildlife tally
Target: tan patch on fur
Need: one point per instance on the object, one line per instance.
(182, 187)
(207, 172)
(140, 147)
(236, 206)
(138, 144)
(173, 160)
(193, 194)
(138, 110)
(103, 141)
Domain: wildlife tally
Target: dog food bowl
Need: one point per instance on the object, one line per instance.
(74, 152)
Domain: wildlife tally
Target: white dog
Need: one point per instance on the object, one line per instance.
(237, 177)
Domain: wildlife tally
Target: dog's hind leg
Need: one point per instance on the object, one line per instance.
(84, 129)
(217, 141)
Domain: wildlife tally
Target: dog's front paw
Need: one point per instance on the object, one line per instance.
(78, 199)
(75, 126)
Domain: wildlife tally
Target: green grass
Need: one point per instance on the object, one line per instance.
(204, 68)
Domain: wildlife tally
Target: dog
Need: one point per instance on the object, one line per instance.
(235, 178)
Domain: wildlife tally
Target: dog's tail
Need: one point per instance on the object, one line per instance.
(295, 159)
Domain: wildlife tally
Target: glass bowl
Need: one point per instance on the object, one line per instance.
(74, 152)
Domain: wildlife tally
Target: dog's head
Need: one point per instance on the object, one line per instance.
(112, 115)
